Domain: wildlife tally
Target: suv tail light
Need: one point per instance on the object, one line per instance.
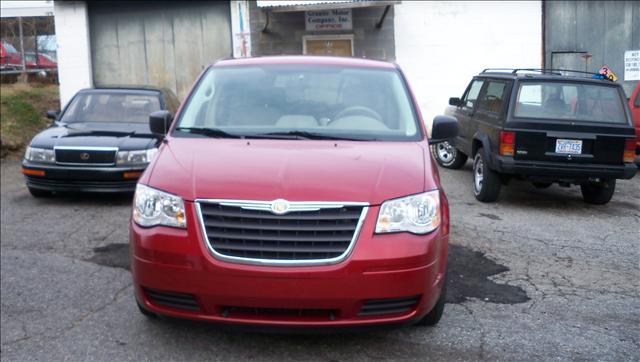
(507, 143)
(629, 150)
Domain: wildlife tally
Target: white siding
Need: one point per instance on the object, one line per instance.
(441, 45)
(74, 54)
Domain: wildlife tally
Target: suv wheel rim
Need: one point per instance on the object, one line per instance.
(477, 174)
(446, 152)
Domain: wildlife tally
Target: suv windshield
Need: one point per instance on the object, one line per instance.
(570, 101)
(308, 101)
(111, 107)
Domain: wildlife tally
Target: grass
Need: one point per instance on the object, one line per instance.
(22, 113)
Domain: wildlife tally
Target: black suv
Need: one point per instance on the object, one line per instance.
(543, 126)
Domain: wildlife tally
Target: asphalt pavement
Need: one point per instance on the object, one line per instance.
(538, 275)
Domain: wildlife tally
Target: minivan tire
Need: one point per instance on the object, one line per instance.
(433, 317)
(486, 182)
(598, 193)
(147, 313)
(38, 193)
(448, 156)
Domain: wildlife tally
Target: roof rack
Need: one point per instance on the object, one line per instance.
(537, 70)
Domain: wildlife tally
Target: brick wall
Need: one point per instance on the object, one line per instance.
(287, 29)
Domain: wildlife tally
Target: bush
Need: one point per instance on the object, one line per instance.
(22, 113)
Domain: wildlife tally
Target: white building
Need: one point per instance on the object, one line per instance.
(440, 45)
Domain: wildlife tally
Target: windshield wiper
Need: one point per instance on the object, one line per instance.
(209, 132)
(308, 135)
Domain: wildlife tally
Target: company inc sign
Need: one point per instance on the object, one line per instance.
(333, 19)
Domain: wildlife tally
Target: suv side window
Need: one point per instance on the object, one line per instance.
(470, 98)
(492, 99)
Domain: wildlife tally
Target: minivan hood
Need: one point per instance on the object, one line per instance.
(295, 170)
(125, 136)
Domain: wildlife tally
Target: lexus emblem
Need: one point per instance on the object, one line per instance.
(84, 156)
(279, 207)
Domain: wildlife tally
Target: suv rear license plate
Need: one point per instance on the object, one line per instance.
(569, 146)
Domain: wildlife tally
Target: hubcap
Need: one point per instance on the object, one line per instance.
(477, 174)
(446, 152)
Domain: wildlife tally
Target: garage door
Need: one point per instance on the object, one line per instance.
(158, 43)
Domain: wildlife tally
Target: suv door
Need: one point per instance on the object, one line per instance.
(488, 118)
(464, 112)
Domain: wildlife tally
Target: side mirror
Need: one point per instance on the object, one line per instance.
(444, 128)
(455, 101)
(53, 114)
(160, 121)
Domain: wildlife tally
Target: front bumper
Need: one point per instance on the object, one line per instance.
(393, 266)
(81, 179)
(563, 171)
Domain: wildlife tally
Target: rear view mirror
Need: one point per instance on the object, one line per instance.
(444, 128)
(455, 101)
(53, 115)
(160, 122)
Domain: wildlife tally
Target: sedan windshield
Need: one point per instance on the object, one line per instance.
(570, 101)
(111, 107)
(301, 102)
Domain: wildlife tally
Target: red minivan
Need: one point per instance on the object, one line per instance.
(293, 191)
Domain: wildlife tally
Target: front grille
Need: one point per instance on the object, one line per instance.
(106, 156)
(172, 299)
(323, 233)
(388, 306)
(249, 312)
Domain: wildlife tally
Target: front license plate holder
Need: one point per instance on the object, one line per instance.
(568, 147)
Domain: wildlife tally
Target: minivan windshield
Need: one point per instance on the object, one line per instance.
(111, 107)
(570, 101)
(301, 101)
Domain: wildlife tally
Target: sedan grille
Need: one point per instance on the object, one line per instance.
(86, 156)
(249, 232)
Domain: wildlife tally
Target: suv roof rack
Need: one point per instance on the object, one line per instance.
(537, 70)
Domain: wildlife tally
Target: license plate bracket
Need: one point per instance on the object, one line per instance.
(566, 146)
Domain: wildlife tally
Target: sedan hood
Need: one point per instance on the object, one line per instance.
(296, 170)
(125, 136)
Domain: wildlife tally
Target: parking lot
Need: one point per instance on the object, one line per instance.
(538, 275)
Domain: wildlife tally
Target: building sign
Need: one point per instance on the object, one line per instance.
(332, 19)
(632, 65)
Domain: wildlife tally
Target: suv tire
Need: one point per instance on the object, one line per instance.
(39, 193)
(598, 193)
(486, 182)
(448, 156)
(433, 317)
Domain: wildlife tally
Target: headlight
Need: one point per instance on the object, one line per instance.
(135, 157)
(39, 155)
(418, 214)
(153, 207)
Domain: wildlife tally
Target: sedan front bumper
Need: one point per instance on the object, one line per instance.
(51, 177)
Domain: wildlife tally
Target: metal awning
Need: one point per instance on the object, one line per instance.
(306, 5)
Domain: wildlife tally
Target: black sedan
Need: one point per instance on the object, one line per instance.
(100, 142)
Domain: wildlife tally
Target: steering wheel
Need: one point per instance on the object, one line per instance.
(355, 110)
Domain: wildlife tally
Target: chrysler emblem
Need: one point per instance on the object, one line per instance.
(279, 206)
(84, 156)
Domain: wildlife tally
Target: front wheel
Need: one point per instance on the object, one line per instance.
(598, 193)
(448, 156)
(38, 193)
(434, 316)
(486, 182)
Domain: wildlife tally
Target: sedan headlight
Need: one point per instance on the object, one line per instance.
(153, 207)
(40, 155)
(418, 214)
(138, 157)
